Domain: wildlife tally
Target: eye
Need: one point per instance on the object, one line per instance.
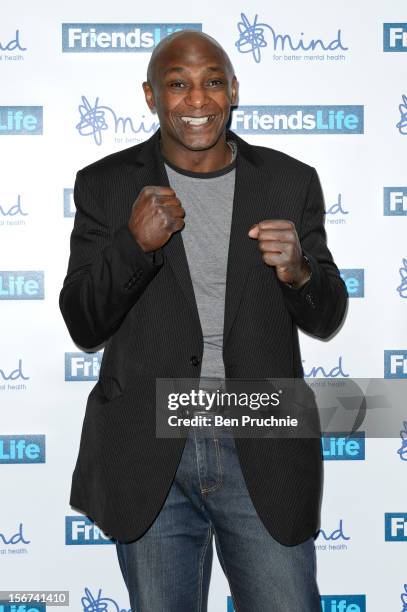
(177, 84)
(215, 82)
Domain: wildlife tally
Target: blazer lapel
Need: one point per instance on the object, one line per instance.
(153, 173)
(250, 205)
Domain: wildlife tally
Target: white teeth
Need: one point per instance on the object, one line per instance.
(196, 120)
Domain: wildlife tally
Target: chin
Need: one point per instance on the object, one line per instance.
(200, 143)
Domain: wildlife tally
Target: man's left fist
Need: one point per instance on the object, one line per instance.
(280, 246)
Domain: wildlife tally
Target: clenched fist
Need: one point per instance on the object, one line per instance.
(156, 214)
(280, 246)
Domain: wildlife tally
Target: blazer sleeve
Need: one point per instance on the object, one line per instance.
(107, 273)
(317, 307)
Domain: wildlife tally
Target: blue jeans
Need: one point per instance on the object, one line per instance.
(168, 569)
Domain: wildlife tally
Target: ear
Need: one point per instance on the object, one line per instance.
(149, 95)
(235, 92)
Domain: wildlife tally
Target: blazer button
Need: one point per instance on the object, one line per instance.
(194, 360)
(310, 301)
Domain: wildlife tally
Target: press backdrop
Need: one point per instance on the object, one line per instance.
(321, 81)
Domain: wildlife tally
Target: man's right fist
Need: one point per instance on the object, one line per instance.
(156, 214)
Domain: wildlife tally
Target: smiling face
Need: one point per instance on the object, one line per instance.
(191, 86)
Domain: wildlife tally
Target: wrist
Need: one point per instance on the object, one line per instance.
(304, 275)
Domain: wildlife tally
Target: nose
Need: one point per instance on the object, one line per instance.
(196, 97)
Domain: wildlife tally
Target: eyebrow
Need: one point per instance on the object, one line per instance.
(182, 69)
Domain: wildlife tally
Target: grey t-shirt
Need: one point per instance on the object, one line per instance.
(207, 199)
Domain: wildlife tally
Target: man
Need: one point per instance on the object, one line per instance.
(195, 254)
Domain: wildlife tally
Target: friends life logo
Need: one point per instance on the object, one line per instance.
(336, 213)
(11, 607)
(118, 37)
(69, 205)
(11, 543)
(80, 530)
(21, 285)
(343, 603)
(343, 446)
(395, 37)
(98, 602)
(298, 119)
(329, 603)
(395, 364)
(256, 36)
(12, 213)
(402, 287)
(25, 448)
(395, 526)
(82, 366)
(402, 451)
(12, 379)
(98, 120)
(395, 201)
(12, 48)
(332, 540)
(21, 120)
(354, 279)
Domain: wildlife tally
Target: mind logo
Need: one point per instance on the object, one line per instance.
(402, 124)
(402, 288)
(96, 119)
(254, 36)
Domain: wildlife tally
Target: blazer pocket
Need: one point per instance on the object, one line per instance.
(109, 388)
(113, 383)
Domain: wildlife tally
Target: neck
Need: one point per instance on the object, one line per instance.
(209, 160)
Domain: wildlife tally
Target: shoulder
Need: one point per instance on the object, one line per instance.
(115, 162)
(275, 159)
(283, 160)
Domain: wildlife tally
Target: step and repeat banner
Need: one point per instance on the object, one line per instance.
(323, 82)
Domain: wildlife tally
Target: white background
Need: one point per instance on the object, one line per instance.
(356, 166)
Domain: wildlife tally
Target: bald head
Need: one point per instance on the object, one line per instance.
(179, 43)
(191, 86)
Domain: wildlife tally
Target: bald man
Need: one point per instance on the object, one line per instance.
(197, 255)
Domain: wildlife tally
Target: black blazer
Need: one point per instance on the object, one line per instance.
(144, 312)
